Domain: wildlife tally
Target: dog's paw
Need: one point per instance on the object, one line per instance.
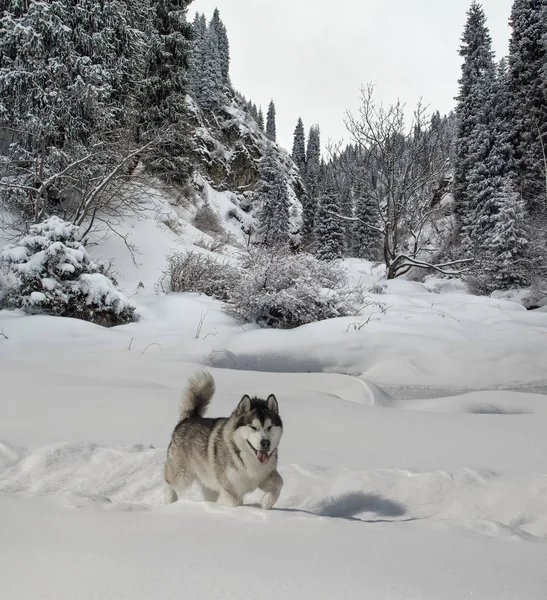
(269, 500)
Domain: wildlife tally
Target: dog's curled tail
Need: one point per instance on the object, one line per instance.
(197, 395)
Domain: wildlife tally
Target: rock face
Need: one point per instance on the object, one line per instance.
(227, 146)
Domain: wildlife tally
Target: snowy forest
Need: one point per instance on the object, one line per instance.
(97, 100)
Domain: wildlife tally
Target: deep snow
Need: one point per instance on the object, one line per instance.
(415, 465)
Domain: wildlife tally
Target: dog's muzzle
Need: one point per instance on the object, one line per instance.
(263, 455)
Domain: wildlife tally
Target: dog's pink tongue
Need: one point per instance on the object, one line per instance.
(262, 456)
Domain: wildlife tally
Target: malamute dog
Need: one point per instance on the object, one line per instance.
(229, 457)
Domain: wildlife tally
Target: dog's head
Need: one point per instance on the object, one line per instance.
(259, 426)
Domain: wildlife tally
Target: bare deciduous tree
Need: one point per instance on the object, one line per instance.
(403, 170)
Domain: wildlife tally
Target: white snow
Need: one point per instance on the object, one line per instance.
(414, 454)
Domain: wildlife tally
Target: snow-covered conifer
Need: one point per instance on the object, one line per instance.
(270, 122)
(299, 147)
(528, 85)
(51, 273)
(271, 191)
(329, 228)
(474, 99)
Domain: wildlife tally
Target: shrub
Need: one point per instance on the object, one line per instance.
(191, 271)
(283, 290)
(207, 220)
(50, 272)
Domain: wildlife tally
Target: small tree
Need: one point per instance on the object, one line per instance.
(50, 272)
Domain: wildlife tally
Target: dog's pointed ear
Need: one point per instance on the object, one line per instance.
(244, 405)
(272, 404)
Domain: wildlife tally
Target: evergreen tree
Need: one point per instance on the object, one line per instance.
(366, 241)
(527, 70)
(261, 119)
(270, 122)
(311, 180)
(165, 87)
(36, 75)
(196, 55)
(211, 88)
(474, 102)
(223, 46)
(504, 259)
(487, 177)
(69, 85)
(329, 230)
(273, 215)
(299, 147)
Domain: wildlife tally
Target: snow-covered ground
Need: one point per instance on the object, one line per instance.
(414, 456)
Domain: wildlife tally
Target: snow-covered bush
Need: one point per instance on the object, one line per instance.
(283, 290)
(50, 272)
(207, 220)
(193, 271)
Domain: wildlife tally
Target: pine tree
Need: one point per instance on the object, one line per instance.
(261, 119)
(311, 180)
(270, 122)
(329, 230)
(271, 191)
(299, 147)
(474, 102)
(527, 71)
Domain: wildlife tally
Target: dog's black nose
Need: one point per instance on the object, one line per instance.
(265, 444)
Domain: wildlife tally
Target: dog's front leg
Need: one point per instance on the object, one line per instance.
(272, 486)
(229, 499)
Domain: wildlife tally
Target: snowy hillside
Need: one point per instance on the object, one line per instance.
(414, 454)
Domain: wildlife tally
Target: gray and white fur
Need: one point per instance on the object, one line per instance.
(229, 457)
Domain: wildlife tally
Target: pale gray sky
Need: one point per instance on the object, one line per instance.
(312, 56)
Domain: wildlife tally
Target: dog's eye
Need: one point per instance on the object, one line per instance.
(253, 427)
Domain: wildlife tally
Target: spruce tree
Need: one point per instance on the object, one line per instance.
(474, 102)
(311, 180)
(504, 257)
(223, 46)
(261, 119)
(272, 194)
(164, 110)
(299, 147)
(196, 55)
(211, 87)
(487, 176)
(366, 241)
(270, 122)
(527, 77)
(329, 230)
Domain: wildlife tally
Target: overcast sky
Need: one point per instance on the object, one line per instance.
(312, 56)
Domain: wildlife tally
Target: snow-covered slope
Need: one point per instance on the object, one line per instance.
(402, 481)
